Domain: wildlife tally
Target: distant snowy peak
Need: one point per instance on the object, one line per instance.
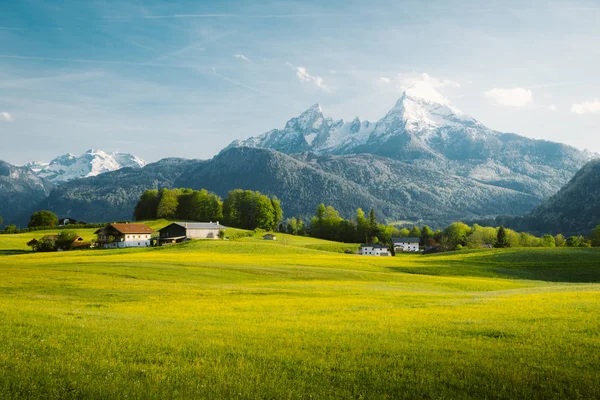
(421, 114)
(92, 163)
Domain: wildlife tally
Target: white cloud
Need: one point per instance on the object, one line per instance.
(552, 107)
(385, 80)
(6, 116)
(415, 79)
(304, 76)
(516, 97)
(242, 57)
(587, 107)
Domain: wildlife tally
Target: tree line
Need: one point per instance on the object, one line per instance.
(243, 209)
(327, 224)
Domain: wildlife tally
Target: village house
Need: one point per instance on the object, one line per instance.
(78, 241)
(269, 236)
(406, 244)
(70, 221)
(374, 250)
(178, 232)
(124, 235)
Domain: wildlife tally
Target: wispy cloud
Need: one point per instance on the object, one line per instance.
(552, 107)
(587, 107)
(515, 97)
(304, 76)
(240, 16)
(242, 57)
(105, 62)
(385, 80)
(6, 116)
(238, 83)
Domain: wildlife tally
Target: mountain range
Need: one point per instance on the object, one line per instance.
(425, 161)
(91, 163)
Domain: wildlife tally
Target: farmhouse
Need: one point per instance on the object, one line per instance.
(124, 235)
(269, 236)
(374, 250)
(406, 244)
(182, 231)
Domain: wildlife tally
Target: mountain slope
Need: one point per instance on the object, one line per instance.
(575, 209)
(299, 186)
(112, 196)
(20, 191)
(92, 163)
(391, 187)
(424, 126)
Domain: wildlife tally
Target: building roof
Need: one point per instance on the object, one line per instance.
(129, 228)
(406, 240)
(375, 246)
(196, 225)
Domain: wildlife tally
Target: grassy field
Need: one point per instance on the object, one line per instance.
(254, 319)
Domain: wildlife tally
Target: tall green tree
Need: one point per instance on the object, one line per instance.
(415, 232)
(427, 236)
(146, 206)
(362, 227)
(595, 236)
(168, 203)
(502, 238)
(372, 224)
(43, 218)
(455, 234)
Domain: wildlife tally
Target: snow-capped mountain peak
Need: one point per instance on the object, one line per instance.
(91, 163)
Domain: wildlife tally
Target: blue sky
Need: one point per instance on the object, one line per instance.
(185, 78)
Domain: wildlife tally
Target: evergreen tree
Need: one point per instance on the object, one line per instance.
(502, 238)
(372, 224)
(595, 236)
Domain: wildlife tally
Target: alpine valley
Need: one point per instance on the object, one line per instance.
(425, 161)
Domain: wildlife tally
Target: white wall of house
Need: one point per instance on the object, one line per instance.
(130, 240)
(212, 233)
(406, 247)
(374, 251)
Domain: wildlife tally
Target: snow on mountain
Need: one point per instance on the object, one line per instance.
(421, 112)
(93, 162)
(425, 126)
(311, 131)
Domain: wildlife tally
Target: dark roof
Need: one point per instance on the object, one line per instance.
(196, 225)
(129, 228)
(406, 240)
(376, 246)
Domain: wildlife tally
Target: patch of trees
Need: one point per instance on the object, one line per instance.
(327, 224)
(65, 240)
(241, 209)
(460, 235)
(43, 218)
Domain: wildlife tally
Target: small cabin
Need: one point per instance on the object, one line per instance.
(269, 236)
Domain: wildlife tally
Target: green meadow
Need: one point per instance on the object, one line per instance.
(297, 318)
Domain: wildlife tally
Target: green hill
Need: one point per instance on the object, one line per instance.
(249, 318)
